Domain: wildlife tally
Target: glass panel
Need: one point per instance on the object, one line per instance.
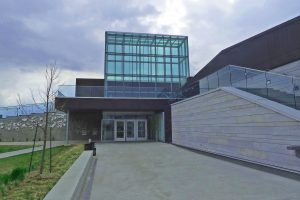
(168, 70)
(107, 129)
(127, 49)
(213, 82)
(118, 48)
(160, 51)
(144, 69)
(281, 89)
(127, 58)
(160, 69)
(120, 129)
(119, 58)
(119, 68)
(256, 82)
(111, 48)
(224, 77)
(174, 51)
(127, 68)
(111, 57)
(175, 70)
(141, 129)
(167, 51)
(203, 85)
(238, 77)
(160, 59)
(130, 129)
(296, 82)
(110, 67)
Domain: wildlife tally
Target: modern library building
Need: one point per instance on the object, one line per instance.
(243, 104)
(143, 75)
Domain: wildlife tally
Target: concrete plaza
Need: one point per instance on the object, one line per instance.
(152, 171)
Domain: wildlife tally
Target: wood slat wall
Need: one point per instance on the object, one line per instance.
(226, 124)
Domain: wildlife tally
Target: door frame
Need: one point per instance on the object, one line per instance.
(124, 130)
(134, 130)
(137, 130)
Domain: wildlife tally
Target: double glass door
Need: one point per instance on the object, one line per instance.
(130, 130)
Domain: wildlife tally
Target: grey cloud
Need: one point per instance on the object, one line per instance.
(35, 33)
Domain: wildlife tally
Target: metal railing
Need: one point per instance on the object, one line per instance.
(117, 91)
(277, 87)
(27, 109)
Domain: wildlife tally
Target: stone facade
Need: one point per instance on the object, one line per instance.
(225, 124)
(22, 128)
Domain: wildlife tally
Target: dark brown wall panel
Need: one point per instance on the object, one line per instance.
(270, 49)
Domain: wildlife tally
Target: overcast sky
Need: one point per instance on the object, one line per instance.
(71, 32)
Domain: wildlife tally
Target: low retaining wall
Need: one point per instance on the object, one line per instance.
(70, 185)
(238, 125)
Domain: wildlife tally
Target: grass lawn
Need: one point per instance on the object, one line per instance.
(8, 148)
(34, 186)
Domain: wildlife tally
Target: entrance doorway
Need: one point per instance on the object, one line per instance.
(130, 130)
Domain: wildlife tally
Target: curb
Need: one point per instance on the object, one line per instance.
(71, 183)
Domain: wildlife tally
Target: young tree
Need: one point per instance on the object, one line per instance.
(47, 95)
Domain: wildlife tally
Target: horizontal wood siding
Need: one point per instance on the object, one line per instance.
(226, 124)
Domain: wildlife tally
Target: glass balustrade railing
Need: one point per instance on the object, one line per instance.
(117, 91)
(27, 109)
(277, 87)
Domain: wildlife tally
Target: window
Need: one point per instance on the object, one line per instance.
(111, 48)
(175, 70)
(174, 51)
(119, 68)
(127, 49)
(167, 51)
(160, 69)
(168, 70)
(160, 51)
(118, 49)
(110, 67)
(127, 68)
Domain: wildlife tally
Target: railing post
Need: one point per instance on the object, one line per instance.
(218, 79)
(267, 84)
(230, 76)
(207, 83)
(246, 78)
(294, 92)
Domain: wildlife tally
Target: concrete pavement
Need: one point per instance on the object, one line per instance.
(158, 171)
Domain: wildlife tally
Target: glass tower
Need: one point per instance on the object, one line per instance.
(145, 65)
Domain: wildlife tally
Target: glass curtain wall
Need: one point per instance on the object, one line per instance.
(144, 62)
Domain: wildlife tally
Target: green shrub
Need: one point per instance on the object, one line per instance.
(18, 174)
(4, 178)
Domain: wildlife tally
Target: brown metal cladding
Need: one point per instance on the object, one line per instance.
(89, 82)
(110, 104)
(270, 49)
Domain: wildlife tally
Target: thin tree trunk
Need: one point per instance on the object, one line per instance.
(45, 138)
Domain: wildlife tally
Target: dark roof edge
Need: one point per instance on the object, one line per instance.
(282, 25)
(261, 34)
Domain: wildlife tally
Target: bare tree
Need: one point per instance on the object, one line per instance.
(45, 96)
(48, 96)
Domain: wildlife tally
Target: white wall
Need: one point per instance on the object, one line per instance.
(226, 124)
